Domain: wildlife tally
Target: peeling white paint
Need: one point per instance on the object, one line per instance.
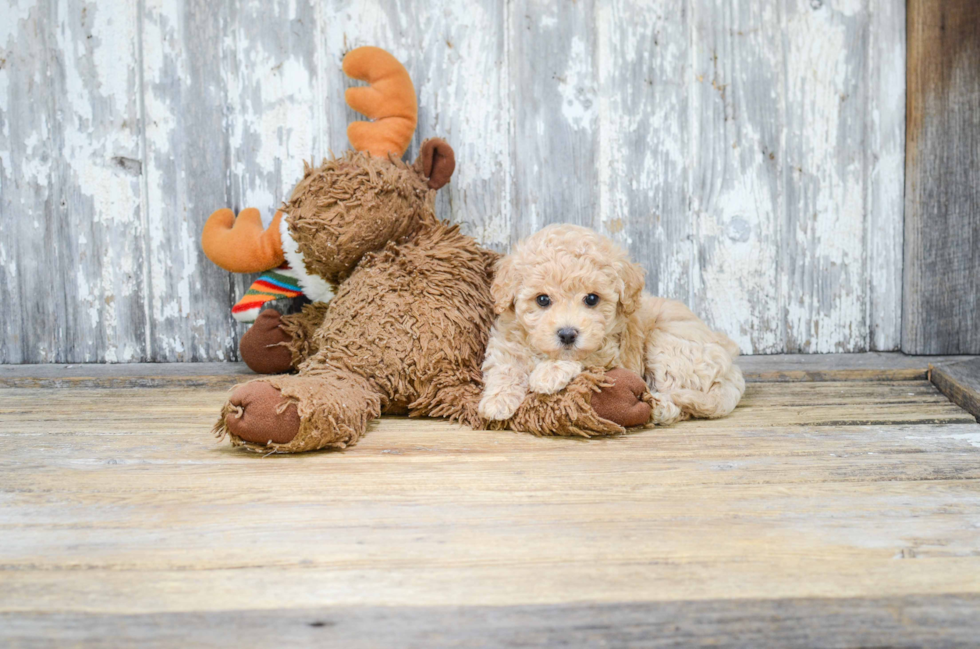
(577, 88)
(825, 305)
(735, 148)
(886, 72)
(67, 106)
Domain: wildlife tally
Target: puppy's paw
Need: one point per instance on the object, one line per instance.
(501, 406)
(551, 376)
(665, 411)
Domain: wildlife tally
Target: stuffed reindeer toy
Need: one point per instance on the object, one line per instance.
(406, 329)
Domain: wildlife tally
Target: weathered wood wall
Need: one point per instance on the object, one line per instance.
(750, 154)
(942, 191)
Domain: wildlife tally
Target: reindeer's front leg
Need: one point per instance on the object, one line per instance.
(287, 414)
(593, 403)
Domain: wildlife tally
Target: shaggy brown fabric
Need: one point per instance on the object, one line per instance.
(299, 328)
(413, 318)
(334, 409)
(264, 346)
(568, 413)
(407, 328)
(625, 406)
(352, 205)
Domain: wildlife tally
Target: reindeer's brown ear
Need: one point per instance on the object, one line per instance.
(436, 162)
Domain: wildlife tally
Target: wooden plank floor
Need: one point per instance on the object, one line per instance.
(838, 512)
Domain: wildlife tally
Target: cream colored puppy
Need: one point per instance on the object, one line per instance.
(569, 298)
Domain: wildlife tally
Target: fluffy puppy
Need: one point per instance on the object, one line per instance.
(568, 298)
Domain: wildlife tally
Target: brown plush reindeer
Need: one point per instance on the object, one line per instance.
(406, 330)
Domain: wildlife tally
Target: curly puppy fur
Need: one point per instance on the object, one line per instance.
(569, 298)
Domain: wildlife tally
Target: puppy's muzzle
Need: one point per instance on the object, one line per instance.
(567, 336)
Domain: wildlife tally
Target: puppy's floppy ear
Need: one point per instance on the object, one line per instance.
(506, 281)
(631, 291)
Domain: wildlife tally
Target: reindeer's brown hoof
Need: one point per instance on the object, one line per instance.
(622, 402)
(257, 415)
(260, 346)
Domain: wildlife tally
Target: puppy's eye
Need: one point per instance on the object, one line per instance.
(544, 301)
(591, 299)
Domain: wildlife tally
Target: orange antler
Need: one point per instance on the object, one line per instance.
(241, 245)
(389, 101)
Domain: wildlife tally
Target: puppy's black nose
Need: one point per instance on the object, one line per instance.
(567, 336)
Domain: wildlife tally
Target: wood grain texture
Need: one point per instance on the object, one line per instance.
(885, 160)
(817, 514)
(941, 313)
(644, 143)
(554, 93)
(788, 368)
(824, 171)
(960, 382)
(736, 163)
(71, 253)
(871, 366)
(231, 113)
(935, 621)
(749, 155)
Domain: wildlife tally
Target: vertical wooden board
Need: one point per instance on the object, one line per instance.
(461, 65)
(456, 55)
(231, 114)
(644, 143)
(553, 87)
(187, 176)
(272, 100)
(70, 234)
(25, 180)
(825, 166)
(941, 311)
(644, 119)
(886, 172)
(736, 187)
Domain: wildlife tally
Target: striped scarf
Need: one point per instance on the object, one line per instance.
(273, 285)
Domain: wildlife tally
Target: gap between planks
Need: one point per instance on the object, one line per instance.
(870, 366)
